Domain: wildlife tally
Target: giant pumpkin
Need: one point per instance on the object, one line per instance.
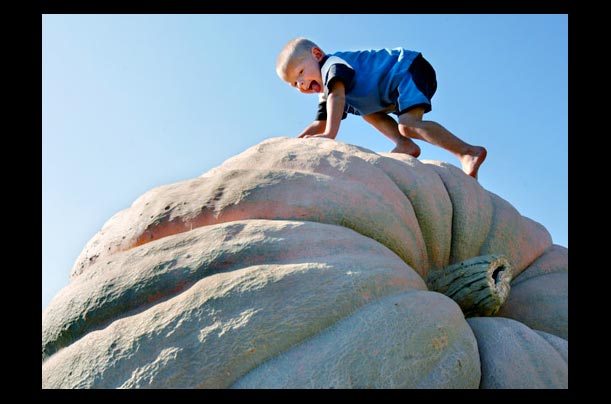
(313, 264)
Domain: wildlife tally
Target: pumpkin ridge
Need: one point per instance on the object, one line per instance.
(138, 298)
(321, 373)
(472, 210)
(430, 200)
(390, 225)
(231, 285)
(520, 239)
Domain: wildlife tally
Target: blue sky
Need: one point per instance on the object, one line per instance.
(131, 102)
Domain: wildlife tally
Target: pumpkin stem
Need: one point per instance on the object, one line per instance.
(480, 285)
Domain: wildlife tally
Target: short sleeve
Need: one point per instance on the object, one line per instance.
(341, 72)
(321, 114)
(335, 68)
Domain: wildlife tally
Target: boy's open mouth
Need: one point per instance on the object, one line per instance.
(314, 86)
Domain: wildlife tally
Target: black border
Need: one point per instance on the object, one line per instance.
(279, 7)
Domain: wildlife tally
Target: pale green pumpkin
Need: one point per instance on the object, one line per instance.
(302, 263)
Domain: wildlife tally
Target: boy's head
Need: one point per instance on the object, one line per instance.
(298, 65)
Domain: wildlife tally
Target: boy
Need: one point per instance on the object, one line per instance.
(372, 84)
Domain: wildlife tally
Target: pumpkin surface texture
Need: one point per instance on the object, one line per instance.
(314, 264)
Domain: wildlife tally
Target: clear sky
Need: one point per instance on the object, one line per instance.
(131, 102)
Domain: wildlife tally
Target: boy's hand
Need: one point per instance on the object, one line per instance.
(315, 128)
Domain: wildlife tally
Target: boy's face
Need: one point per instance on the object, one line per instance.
(304, 73)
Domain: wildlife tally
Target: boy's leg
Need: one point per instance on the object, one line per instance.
(412, 125)
(389, 128)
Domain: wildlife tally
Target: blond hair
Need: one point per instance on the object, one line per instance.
(293, 51)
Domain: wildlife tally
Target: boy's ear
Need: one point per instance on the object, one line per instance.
(317, 53)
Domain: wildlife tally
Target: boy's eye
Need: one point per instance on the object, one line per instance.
(300, 73)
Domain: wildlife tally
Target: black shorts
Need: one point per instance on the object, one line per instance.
(425, 79)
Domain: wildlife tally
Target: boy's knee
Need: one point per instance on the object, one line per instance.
(413, 117)
(409, 130)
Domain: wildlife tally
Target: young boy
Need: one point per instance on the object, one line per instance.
(373, 83)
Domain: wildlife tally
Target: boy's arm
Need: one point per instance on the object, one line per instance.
(335, 110)
(314, 128)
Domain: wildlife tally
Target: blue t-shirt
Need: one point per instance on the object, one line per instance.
(371, 78)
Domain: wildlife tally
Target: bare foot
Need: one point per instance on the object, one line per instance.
(407, 146)
(471, 162)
